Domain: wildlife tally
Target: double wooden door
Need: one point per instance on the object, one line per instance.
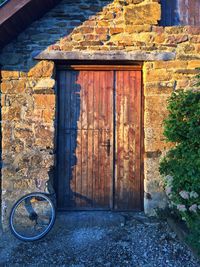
(99, 138)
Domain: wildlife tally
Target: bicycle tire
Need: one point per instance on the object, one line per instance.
(31, 199)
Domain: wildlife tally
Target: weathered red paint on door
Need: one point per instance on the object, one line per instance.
(98, 159)
(128, 140)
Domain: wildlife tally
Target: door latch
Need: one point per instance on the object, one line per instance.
(107, 145)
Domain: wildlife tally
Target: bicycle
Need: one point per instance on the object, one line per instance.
(32, 216)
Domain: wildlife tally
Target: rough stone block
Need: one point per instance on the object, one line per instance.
(44, 136)
(193, 30)
(148, 13)
(192, 64)
(48, 115)
(13, 86)
(175, 64)
(159, 88)
(154, 139)
(155, 110)
(6, 129)
(5, 74)
(44, 83)
(177, 39)
(134, 1)
(34, 115)
(42, 69)
(44, 101)
(158, 200)
(157, 75)
(5, 86)
(195, 39)
(77, 37)
(101, 30)
(137, 28)
(11, 113)
(116, 30)
(175, 30)
(160, 38)
(151, 168)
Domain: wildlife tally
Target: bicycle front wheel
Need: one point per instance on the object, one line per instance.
(32, 217)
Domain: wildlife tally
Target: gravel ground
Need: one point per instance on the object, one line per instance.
(140, 242)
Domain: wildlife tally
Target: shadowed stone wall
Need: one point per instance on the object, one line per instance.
(28, 86)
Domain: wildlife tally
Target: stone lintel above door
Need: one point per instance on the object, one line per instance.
(111, 55)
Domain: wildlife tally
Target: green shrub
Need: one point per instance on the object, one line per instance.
(181, 165)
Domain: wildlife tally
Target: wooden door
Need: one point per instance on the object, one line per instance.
(99, 133)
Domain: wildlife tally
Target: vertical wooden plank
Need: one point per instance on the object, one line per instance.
(79, 90)
(78, 169)
(119, 137)
(84, 169)
(108, 136)
(84, 155)
(60, 156)
(67, 100)
(109, 182)
(131, 142)
(68, 136)
(64, 137)
(84, 100)
(102, 165)
(77, 138)
(90, 166)
(90, 99)
(132, 125)
(128, 134)
(194, 8)
(127, 187)
(96, 169)
(74, 117)
(183, 12)
(196, 13)
(101, 138)
(138, 135)
(90, 106)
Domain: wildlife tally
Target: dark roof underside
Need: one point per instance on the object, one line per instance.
(15, 16)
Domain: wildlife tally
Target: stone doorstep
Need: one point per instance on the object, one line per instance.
(85, 219)
(182, 234)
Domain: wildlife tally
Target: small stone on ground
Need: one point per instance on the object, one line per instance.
(133, 240)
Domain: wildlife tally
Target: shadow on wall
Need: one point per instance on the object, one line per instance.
(80, 179)
(170, 13)
(180, 12)
(58, 23)
(70, 151)
(28, 99)
(0, 154)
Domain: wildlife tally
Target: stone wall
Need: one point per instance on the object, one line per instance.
(28, 87)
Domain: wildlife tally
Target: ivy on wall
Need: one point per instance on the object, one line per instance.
(181, 165)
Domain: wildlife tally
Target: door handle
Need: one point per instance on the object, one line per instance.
(107, 144)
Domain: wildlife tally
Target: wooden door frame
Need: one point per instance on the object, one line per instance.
(112, 66)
